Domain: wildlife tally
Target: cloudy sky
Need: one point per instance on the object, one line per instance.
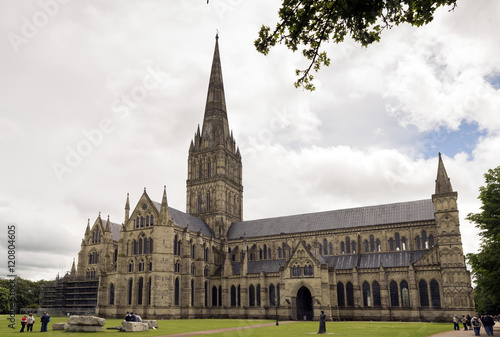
(102, 98)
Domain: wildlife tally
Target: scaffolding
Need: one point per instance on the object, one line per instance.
(69, 295)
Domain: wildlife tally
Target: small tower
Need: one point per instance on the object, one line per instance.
(455, 282)
(214, 182)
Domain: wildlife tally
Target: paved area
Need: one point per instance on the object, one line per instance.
(210, 332)
(468, 333)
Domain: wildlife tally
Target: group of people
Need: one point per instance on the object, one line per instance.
(131, 317)
(475, 323)
(28, 321)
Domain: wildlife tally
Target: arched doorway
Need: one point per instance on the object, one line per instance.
(304, 304)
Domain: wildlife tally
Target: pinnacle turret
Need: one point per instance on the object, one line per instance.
(127, 209)
(443, 184)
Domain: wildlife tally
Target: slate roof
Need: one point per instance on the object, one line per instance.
(115, 231)
(411, 211)
(182, 220)
(374, 260)
(393, 259)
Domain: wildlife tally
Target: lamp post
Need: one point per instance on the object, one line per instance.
(276, 305)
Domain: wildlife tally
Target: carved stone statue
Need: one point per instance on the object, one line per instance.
(322, 324)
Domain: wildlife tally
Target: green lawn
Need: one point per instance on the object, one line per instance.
(166, 327)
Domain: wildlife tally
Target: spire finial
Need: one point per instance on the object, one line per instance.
(217, 34)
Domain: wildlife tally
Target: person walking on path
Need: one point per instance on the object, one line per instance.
(488, 323)
(30, 321)
(464, 322)
(456, 326)
(476, 324)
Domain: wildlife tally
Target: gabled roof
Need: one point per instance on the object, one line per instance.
(183, 220)
(412, 211)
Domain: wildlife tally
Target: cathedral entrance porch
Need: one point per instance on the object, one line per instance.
(304, 305)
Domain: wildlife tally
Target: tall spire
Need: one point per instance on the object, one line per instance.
(443, 184)
(215, 124)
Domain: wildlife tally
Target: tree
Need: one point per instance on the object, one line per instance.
(486, 263)
(27, 293)
(313, 22)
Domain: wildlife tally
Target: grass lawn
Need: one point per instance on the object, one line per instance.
(166, 327)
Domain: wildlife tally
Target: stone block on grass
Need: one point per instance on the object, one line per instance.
(86, 320)
(134, 326)
(151, 323)
(59, 326)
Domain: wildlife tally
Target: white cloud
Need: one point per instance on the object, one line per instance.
(303, 152)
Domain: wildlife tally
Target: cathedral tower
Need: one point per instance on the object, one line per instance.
(456, 285)
(214, 182)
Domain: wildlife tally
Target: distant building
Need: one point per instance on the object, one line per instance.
(401, 261)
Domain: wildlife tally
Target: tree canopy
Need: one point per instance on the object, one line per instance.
(486, 263)
(27, 293)
(308, 24)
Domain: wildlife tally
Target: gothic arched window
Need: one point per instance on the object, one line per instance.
(425, 243)
(376, 294)
(130, 284)
(348, 245)
(424, 294)
(349, 289)
(435, 297)
(251, 296)
(367, 297)
(206, 294)
(405, 294)
(258, 295)
(391, 244)
(214, 296)
(176, 292)
(140, 286)
(393, 289)
(192, 292)
(111, 294)
(340, 295)
(272, 296)
(239, 295)
(233, 296)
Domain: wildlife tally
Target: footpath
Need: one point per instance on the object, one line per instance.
(210, 332)
(467, 333)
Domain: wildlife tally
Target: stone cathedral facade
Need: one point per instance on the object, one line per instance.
(401, 261)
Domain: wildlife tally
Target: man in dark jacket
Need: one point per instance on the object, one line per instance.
(45, 320)
(488, 323)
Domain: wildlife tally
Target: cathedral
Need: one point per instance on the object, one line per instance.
(402, 261)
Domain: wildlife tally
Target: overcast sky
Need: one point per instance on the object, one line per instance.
(102, 98)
